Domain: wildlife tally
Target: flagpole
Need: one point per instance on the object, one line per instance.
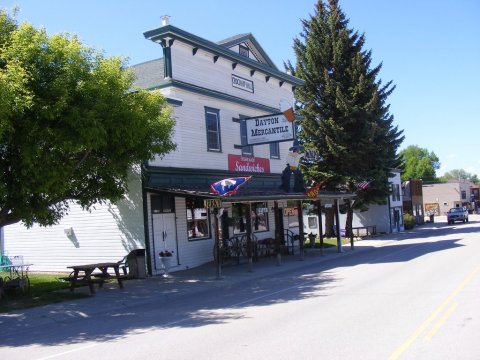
(217, 243)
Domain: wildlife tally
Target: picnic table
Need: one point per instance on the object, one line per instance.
(84, 274)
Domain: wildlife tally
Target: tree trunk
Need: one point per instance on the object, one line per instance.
(349, 221)
(329, 222)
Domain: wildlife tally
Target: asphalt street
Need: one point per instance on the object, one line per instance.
(408, 295)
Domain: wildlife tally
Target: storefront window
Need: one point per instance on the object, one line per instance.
(198, 221)
(259, 217)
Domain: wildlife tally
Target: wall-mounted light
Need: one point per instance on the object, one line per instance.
(68, 231)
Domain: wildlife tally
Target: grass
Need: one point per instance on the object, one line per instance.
(327, 242)
(43, 290)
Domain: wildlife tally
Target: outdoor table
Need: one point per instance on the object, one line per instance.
(85, 273)
(18, 276)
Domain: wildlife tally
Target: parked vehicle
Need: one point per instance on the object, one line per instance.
(457, 214)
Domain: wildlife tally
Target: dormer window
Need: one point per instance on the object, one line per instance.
(243, 50)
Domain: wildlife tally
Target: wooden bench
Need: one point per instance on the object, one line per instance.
(366, 230)
(82, 281)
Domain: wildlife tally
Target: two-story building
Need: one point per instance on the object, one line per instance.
(212, 88)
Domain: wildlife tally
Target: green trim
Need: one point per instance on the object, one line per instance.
(174, 102)
(214, 94)
(157, 35)
(183, 182)
(167, 62)
(148, 258)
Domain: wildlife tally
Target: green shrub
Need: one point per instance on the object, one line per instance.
(409, 221)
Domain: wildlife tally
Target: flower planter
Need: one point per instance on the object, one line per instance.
(166, 263)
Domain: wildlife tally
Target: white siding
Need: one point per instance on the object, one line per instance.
(201, 70)
(106, 233)
(191, 138)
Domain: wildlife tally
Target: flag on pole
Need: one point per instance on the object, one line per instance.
(227, 187)
(363, 185)
(313, 191)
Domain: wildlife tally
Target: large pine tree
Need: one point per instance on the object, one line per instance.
(345, 117)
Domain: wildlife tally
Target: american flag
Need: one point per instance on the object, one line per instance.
(363, 185)
(227, 187)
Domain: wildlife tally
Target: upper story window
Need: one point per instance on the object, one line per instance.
(246, 150)
(395, 192)
(464, 194)
(212, 119)
(243, 50)
(274, 150)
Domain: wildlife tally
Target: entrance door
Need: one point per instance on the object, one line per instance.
(164, 236)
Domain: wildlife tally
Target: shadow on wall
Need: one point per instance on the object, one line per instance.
(73, 238)
(370, 218)
(128, 213)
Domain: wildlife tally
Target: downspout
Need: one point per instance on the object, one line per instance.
(143, 174)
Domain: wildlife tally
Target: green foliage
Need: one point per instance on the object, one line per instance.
(459, 174)
(409, 221)
(343, 104)
(419, 163)
(44, 289)
(71, 127)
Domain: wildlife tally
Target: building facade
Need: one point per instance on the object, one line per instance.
(216, 91)
(413, 200)
(455, 193)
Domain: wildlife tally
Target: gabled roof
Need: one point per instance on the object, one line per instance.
(253, 45)
(169, 33)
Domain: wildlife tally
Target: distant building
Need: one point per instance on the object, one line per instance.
(455, 193)
(413, 199)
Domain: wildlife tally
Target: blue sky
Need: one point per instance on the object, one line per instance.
(429, 48)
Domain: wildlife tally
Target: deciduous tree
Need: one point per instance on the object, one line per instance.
(419, 163)
(459, 174)
(71, 126)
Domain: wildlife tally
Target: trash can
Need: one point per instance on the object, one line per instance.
(432, 216)
(136, 264)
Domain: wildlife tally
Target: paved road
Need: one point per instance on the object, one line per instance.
(407, 296)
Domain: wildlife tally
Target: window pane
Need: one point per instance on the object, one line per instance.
(259, 217)
(274, 151)
(246, 150)
(198, 221)
(213, 131)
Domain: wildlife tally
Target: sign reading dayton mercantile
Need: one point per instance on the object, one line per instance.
(267, 129)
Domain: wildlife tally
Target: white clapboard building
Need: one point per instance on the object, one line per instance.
(212, 88)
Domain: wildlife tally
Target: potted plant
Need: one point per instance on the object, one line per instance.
(165, 260)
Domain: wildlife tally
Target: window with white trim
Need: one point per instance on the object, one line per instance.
(212, 119)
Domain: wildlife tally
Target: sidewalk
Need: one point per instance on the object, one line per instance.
(160, 290)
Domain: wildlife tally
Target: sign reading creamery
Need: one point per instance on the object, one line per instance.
(241, 83)
(269, 128)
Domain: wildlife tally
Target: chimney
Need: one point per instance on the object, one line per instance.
(165, 20)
